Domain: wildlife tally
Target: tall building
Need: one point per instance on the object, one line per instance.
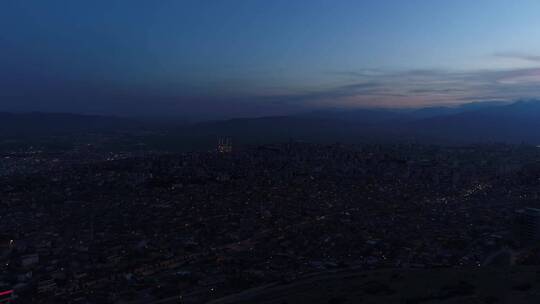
(528, 224)
(224, 145)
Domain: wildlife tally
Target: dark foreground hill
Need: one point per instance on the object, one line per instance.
(519, 285)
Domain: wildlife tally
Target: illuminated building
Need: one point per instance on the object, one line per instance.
(224, 145)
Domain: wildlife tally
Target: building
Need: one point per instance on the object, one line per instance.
(224, 145)
(528, 224)
(29, 260)
(46, 285)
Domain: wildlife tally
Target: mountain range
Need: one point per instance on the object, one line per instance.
(479, 122)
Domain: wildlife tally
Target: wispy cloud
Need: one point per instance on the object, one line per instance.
(422, 87)
(521, 56)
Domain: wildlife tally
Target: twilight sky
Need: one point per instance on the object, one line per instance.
(214, 59)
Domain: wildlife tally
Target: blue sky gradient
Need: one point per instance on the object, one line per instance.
(257, 57)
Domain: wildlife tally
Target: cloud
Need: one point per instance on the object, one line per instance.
(412, 88)
(362, 88)
(520, 56)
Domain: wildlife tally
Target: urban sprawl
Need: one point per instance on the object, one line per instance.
(87, 226)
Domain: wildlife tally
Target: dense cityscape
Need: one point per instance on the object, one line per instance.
(269, 152)
(87, 226)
